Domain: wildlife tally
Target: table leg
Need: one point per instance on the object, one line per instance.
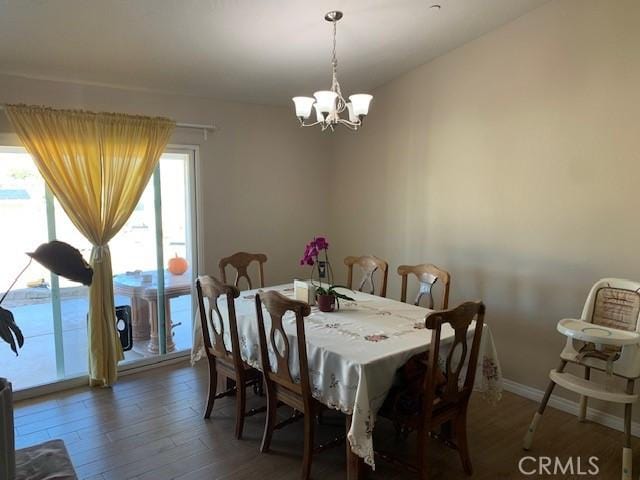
(355, 464)
(154, 342)
(152, 346)
(171, 346)
(139, 319)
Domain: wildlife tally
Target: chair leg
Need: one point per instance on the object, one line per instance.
(213, 387)
(307, 458)
(528, 437)
(460, 432)
(423, 438)
(258, 388)
(446, 430)
(270, 421)
(241, 405)
(627, 454)
(230, 383)
(582, 415)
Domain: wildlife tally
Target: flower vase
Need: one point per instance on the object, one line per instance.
(326, 303)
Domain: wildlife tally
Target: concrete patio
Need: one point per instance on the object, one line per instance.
(36, 363)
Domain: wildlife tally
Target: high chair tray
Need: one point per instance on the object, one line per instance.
(598, 334)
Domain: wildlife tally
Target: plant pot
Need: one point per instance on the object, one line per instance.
(7, 440)
(326, 303)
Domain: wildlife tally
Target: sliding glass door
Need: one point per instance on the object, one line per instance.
(153, 258)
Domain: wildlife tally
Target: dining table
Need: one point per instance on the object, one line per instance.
(353, 356)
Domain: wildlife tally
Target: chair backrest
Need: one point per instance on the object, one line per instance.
(277, 305)
(614, 303)
(209, 290)
(427, 275)
(369, 265)
(240, 261)
(447, 383)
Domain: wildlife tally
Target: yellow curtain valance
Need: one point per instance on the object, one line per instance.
(97, 166)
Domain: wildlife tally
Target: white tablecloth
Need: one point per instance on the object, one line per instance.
(354, 354)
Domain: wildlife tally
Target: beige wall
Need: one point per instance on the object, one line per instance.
(255, 172)
(512, 161)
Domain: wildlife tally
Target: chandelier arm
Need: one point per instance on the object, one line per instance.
(351, 125)
(302, 124)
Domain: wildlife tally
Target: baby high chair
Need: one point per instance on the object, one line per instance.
(606, 338)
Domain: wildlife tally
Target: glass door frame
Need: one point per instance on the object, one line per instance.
(194, 238)
(193, 242)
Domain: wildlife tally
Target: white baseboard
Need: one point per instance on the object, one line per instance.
(568, 406)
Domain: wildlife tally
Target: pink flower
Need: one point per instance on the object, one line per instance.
(312, 250)
(321, 243)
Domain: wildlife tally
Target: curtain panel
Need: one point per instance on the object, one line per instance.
(97, 166)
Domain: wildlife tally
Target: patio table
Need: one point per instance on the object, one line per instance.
(142, 288)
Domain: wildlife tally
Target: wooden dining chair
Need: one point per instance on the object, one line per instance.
(222, 361)
(438, 395)
(282, 388)
(240, 261)
(369, 265)
(427, 274)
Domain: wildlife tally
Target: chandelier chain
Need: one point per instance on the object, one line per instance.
(335, 85)
(334, 57)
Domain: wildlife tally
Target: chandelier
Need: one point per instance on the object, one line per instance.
(329, 104)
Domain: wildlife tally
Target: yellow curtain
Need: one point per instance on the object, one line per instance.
(97, 166)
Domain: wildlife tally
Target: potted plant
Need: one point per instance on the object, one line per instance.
(327, 297)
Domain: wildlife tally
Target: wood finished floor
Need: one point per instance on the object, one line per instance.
(149, 427)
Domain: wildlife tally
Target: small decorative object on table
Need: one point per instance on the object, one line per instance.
(177, 265)
(326, 294)
(303, 291)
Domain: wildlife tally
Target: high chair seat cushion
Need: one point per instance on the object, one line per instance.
(591, 389)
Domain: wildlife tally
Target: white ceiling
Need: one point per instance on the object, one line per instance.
(263, 51)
